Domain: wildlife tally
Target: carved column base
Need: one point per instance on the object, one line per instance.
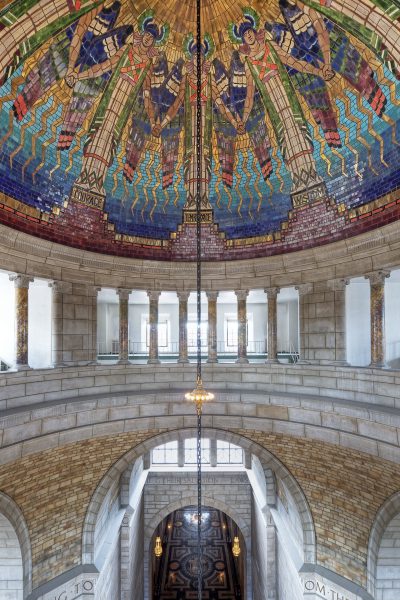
(377, 365)
(242, 361)
(23, 368)
(153, 361)
(122, 361)
(212, 361)
(272, 361)
(183, 361)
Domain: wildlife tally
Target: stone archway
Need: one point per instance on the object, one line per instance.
(384, 517)
(12, 523)
(220, 536)
(123, 467)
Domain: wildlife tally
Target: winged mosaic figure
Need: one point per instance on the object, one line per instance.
(92, 40)
(232, 88)
(310, 37)
(178, 110)
(131, 77)
(264, 69)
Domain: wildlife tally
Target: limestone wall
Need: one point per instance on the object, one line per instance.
(10, 562)
(388, 565)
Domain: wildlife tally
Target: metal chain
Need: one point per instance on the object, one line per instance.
(198, 238)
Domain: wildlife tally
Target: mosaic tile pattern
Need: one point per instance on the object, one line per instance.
(300, 107)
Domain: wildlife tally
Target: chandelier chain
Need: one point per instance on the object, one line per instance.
(198, 273)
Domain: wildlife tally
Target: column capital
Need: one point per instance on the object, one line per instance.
(123, 293)
(377, 277)
(304, 288)
(338, 285)
(242, 294)
(183, 296)
(21, 281)
(272, 292)
(212, 295)
(153, 294)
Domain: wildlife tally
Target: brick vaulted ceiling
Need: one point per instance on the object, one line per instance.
(300, 132)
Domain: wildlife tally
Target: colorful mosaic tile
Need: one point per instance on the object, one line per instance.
(300, 107)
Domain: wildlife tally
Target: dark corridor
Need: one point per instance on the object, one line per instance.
(175, 572)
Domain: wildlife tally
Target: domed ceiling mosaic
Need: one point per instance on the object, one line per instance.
(300, 133)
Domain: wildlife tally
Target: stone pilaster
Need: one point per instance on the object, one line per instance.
(153, 322)
(93, 293)
(58, 289)
(303, 289)
(272, 295)
(21, 284)
(183, 320)
(212, 327)
(242, 326)
(377, 315)
(123, 326)
(213, 452)
(272, 592)
(338, 286)
(73, 323)
(181, 452)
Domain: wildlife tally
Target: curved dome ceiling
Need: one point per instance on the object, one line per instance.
(300, 135)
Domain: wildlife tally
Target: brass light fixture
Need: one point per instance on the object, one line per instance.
(236, 547)
(158, 547)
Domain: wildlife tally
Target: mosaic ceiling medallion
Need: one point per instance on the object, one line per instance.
(300, 133)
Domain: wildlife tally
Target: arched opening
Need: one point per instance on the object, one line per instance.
(174, 573)
(240, 479)
(11, 567)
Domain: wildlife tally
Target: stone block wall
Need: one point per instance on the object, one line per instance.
(344, 489)
(10, 562)
(259, 555)
(78, 324)
(388, 564)
(179, 489)
(53, 490)
(289, 583)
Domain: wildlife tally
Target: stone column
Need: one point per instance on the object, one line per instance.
(303, 289)
(21, 284)
(272, 294)
(377, 315)
(153, 320)
(242, 326)
(338, 286)
(58, 289)
(212, 327)
(123, 326)
(183, 320)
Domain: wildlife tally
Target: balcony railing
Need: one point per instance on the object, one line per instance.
(256, 349)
